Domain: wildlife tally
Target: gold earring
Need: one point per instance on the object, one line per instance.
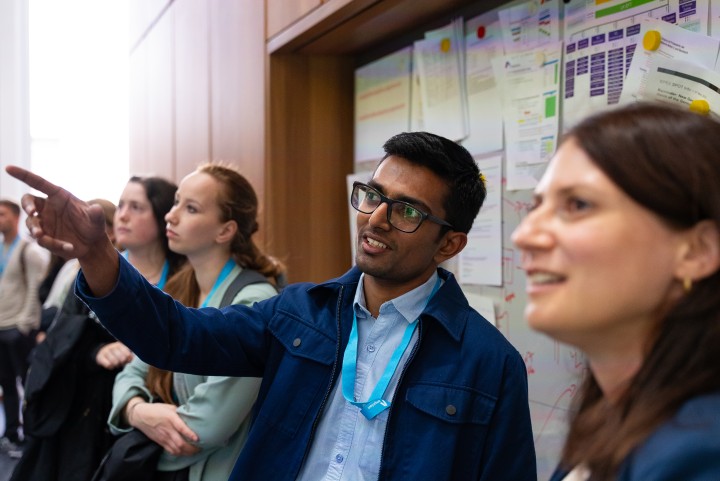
(687, 284)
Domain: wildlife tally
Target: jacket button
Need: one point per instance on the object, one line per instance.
(450, 409)
(297, 342)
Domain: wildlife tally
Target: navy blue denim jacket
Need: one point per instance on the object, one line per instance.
(460, 411)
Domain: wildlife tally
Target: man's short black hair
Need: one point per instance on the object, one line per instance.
(452, 163)
(14, 208)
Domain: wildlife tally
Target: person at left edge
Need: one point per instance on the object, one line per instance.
(22, 266)
(383, 373)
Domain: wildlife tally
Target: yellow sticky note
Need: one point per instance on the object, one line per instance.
(651, 40)
(445, 45)
(700, 106)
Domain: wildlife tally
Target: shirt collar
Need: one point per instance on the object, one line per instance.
(410, 305)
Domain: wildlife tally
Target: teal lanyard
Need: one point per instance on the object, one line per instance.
(376, 404)
(163, 275)
(5, 255)
(229, 265)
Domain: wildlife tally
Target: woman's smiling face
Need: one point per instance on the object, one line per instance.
(599, 265)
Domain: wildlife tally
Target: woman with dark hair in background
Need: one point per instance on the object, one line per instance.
(140, 228)
(622, 253)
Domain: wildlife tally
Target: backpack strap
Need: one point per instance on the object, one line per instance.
(244, 279)
(23, 263)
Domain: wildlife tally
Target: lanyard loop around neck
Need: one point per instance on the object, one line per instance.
(375, 404)
(163, 274)
(229, 265)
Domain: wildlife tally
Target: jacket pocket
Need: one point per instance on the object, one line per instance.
(452, 404)
(302, 339)
(302, 374)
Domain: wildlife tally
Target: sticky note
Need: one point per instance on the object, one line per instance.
(445, 45)
(651, 40)
(701, 106)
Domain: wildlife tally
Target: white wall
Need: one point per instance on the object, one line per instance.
(14, 100)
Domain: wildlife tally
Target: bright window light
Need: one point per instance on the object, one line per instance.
(78, 69)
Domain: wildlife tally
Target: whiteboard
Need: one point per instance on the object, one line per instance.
(554, 370)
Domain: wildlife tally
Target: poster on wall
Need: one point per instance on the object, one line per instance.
(382, 103)
(530, 96)
(601, 38)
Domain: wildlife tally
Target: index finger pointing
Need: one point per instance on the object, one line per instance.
(33, 180)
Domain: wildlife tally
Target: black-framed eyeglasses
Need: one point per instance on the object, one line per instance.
(401, 215)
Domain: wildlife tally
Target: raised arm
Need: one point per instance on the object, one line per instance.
(69, 227)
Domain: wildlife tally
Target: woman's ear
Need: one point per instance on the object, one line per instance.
(227, 232)
(701, 255)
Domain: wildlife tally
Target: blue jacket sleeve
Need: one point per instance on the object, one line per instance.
(685, 447)
(162, 332)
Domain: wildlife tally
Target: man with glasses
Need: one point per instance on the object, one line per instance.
(383, 373)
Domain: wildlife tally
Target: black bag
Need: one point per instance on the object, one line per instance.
(47, 403)
(133, 457)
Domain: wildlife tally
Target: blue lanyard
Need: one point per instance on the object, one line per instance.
(229, 265)
(5, 255)
(163, 275)
(375, 404)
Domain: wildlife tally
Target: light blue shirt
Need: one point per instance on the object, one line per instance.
(347, 446)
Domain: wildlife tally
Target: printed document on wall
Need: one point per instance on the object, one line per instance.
(417, 124)
(600, 43)
(481, 260)
(440, 78)
(382, 103)
(530, 91)
(530, 25)
(679, 82)
(483, 42)
(666, 41)
(714, 29)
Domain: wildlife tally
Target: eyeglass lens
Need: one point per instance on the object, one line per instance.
(402, 216)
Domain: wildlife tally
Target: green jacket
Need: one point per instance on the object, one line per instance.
(216, 408)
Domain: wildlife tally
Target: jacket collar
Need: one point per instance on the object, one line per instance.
(449, 307)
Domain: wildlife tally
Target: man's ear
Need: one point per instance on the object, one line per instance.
(227, 232)
(700, 256)
(451, 245)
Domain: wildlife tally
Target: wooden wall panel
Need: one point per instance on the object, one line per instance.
(237, 76)
(142, 15)
(161, 98)
(151, 90)
(331, 159)
(237, 83)
(309, 154)
(138, 110)
(192, 95)
(282, 13)
(286, 75)
(198, 86)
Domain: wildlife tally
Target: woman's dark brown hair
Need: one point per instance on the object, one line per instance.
(668, 160)
(161, 195)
